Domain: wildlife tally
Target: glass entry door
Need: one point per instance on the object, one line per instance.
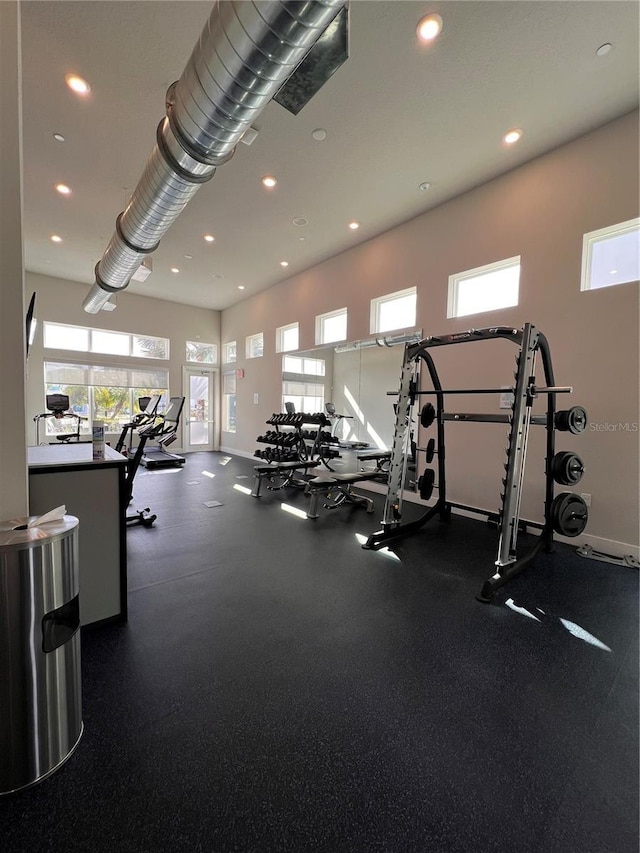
(199, 407)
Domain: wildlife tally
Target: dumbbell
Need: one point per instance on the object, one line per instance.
(429, 450)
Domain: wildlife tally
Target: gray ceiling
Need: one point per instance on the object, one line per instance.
(396, 114)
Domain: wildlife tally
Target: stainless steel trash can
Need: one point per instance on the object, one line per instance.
(40, 688)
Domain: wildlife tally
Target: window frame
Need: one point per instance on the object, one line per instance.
(226, 396)
(590, 239)
(329, 315)
(90, 331)
(214, 347)
(93, 385)
(486, 269)
(248, 345)
(281, 331)
(225, 352)
(378, 301)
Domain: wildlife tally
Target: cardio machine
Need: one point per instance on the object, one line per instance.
(336, 418)
(58, 406)
(148, 426)
(164, 431)
(147, 415)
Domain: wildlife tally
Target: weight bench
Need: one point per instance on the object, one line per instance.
(281, 474)
(380, 457)
(336, 490)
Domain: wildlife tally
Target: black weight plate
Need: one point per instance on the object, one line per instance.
(573, 420)
(569, 514)
(567, 468)
(426, 483)
(427, 414)
(577, 419)
(431, 450)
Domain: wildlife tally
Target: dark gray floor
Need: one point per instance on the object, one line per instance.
(277, 688)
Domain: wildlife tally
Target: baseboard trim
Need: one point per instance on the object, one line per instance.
(233, 451)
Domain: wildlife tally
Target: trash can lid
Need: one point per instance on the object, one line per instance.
(15, 535)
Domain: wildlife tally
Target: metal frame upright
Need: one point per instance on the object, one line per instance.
(529, 341)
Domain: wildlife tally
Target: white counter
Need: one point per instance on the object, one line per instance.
(95, 492)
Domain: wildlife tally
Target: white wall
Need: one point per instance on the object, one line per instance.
(14, 500)
(60, 301)
(539, 211)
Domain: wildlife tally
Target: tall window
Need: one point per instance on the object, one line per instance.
(229, 352)
(201, 353)
(331, 327)
(394, 311)
(84, 339)
(303, 383)
(287, 338)
(611, 255)
(486, 288)
(229, 401)
(255, 345)
(96, 392)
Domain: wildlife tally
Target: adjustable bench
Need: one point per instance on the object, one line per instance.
(336, 490)
(380, 457)
(281, 474)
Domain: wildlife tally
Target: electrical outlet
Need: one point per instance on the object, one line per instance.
(586, 498)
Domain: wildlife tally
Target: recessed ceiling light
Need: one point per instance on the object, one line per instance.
(77, 84)
(429, 27)
(175, 269)
(604, 49)
(284, 263)
(63, 189)
(613, 272)
(512, 136)
(354, 226)
(209, 238)
(424, 186)
(319, 134)
(300, 221)
(58, 137)
(269, 181)
(189, 257)
(241, 287)
(55, 238)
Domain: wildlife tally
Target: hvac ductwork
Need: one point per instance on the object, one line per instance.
(245, 53)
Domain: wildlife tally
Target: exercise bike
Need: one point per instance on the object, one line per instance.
(148, 408)
(58, 406)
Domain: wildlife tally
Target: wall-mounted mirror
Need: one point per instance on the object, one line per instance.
(354, 379)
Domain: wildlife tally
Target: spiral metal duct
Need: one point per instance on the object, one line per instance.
(245, 53)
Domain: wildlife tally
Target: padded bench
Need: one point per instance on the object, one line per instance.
(336, 490)
(284, 471)
(380, 457)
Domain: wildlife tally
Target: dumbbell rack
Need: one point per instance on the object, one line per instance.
(291, 440)
(530, 341)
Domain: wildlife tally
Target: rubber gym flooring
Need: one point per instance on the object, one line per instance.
(278, 688)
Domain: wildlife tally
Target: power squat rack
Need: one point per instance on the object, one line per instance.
(566, 514)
